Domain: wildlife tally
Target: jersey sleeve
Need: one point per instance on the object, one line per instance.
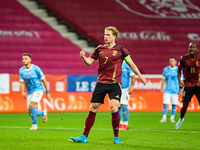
(95, 54)
(125, 52)
(40, 73)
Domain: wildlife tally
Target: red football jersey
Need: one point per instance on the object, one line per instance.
(191, 70)
(110, 63)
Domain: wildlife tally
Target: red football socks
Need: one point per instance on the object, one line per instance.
(115, 123)
(183, 109)
(89, 123)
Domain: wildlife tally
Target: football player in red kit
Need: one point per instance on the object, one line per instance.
(190, 65)
(110, 57)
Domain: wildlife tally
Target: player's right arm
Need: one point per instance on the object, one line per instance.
(88, 61)
(22, 89)
(163, 85)
(163, 81)
(181, 84)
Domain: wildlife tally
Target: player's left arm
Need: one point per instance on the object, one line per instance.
(47, 89)
(181, 89)
(130, 90)
(135, 69)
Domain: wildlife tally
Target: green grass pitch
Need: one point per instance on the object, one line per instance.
(145, 132)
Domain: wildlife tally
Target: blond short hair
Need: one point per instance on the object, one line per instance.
(113, 30)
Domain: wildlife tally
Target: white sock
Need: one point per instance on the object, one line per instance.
(172, 117)
(45, 112)
(126, 122)
(164, 117)
(121, 122)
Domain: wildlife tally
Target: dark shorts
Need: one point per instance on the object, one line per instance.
(101, 89)
(188, 92)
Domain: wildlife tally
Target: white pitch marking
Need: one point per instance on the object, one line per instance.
(139, 130)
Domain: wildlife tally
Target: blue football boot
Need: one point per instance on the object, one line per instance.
(80, 139)
(117, 140)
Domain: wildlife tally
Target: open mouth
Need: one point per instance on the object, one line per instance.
(191, 51)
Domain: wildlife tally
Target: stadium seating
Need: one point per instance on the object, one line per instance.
(22, 32)
(152, 31)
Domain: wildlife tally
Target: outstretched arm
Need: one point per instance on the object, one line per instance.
(88, 61)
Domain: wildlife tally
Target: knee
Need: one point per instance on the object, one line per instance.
(185, 105)
(125, 108)
(184, 108)
(94, 107)
(114, 108)
(32, 105)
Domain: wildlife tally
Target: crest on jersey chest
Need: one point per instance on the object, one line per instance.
(114, 53)
(188, 64)
(197, 63)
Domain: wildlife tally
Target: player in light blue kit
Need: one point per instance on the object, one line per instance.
(31, 75)
(127, 89)
(171, 89)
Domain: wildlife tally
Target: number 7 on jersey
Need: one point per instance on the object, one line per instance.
(106, 60)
